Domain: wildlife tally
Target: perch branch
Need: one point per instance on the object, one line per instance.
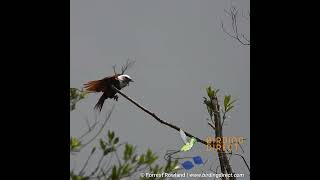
(157, 118)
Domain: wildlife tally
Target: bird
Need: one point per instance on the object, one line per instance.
(105, 85)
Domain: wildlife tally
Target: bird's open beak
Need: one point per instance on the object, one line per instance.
(131, 80)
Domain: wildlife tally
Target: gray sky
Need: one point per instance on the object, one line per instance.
(180, 49)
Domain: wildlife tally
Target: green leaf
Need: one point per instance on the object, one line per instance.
(141, 159)
(149, 153)
(226, 100)
(75, 144)
(229, 108)
(116, 140)
(126, 169)
(76, 177)
(233, 101)
(210, 92)
(110, 136)
(114, 174)
(108, 150)
(150, 157)
(208, 89)
(134, 159)
(102, 144)
(83, 94)
(128, 152)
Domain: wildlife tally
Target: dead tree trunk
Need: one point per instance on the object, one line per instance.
(223, 159)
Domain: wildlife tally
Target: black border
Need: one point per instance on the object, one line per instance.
(36, 82)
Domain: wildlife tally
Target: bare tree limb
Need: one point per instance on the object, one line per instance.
(101, 128)
(128, 65)
(85, 164)
(222, 155)
(90, 128)
(211, 125)
(240, 37)
(244, 160)
(98, 165)
(157, 118)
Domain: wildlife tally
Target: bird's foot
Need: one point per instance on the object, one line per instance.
(115, 97)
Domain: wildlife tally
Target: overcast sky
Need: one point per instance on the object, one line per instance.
(180, 49)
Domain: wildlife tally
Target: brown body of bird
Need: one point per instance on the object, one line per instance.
(105, 85)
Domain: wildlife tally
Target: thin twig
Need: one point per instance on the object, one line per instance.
(244, 160)
(86, 163)
(90, 128)
(211, 125)
(234, 13)
(118, 159)
(157, 118)
(98, 165)
(128, 65)
(100, 130)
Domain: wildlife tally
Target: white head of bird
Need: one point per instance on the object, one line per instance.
(124, 80)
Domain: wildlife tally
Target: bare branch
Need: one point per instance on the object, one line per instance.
(244, 160)
(244, 37)
(211, 125)
(101, 128)
(246, 17)
(85, 164)
(234, 14)
(90, 128)
(98, 165)
(88, 124)
(224, 117)
(157, 118)
(216, 171)
(129, 63)
(118, 159)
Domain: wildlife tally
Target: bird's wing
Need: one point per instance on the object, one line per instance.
(102, 84)
(183, 136)
(94, 86)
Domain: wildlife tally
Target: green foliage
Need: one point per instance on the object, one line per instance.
(77, 177)
(75, 96)
(75, 144)
(110, 136)
(150, 157)
(211, 92)
(109, 146)
(212, 95)
(130, 163)
(128, 152)
(114, 174)
(228, 104)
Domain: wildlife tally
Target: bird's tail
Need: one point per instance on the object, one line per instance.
(94, 86)
(100, 103)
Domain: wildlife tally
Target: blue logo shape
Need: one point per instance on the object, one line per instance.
(187, 165)
(197, 160)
